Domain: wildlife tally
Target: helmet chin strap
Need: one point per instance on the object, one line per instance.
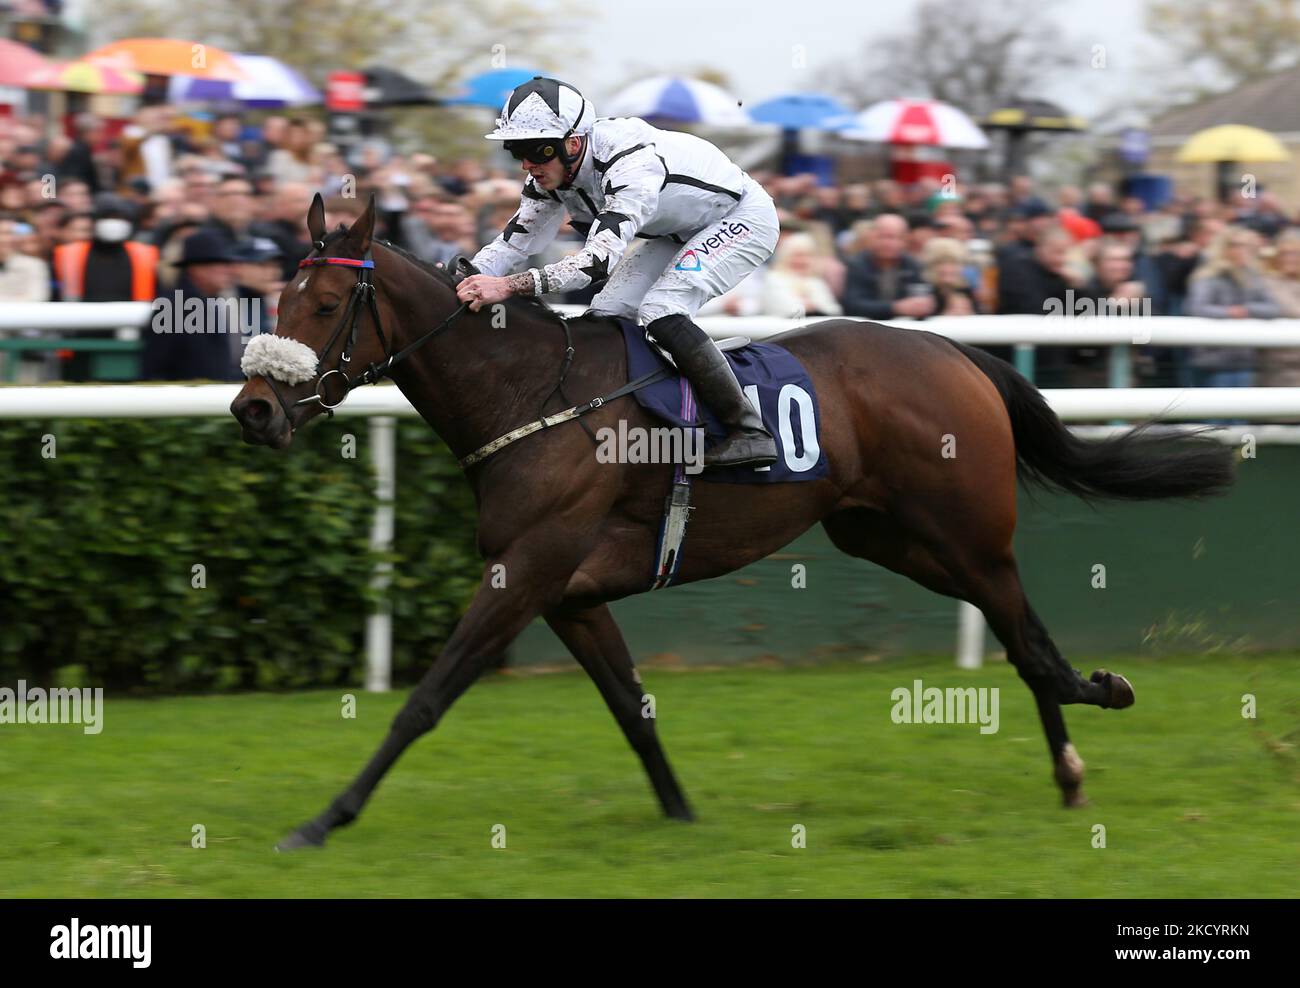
(571, 164)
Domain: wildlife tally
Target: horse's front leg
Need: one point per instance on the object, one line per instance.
(494, 619)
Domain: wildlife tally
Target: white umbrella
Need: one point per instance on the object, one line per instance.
(269, 83)
(679, 99)
(916, 121)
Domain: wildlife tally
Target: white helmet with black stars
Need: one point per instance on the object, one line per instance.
(542, 108)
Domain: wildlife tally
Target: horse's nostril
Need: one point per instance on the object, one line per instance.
(253, 411)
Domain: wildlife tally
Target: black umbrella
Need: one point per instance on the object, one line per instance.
(388, 87)
(1021, 116)
(1032, 114)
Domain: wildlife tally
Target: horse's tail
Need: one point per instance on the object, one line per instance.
(1135, 465)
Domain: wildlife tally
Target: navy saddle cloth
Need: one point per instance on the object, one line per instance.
(786, 401)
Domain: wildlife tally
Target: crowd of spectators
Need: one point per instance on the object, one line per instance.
(217, 210)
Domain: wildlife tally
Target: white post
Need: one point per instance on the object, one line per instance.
(379, 625)
(970, 636)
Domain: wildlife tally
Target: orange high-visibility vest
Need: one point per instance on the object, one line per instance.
(70, 269)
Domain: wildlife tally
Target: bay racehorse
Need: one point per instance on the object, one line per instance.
(570, 533)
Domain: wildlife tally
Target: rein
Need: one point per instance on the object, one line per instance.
(365, 294)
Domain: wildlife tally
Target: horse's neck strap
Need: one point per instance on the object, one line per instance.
(568, 415)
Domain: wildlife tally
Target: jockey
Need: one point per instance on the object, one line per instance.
(702, 222)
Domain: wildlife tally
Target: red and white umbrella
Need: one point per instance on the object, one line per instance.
(17, 62)
(916, 121)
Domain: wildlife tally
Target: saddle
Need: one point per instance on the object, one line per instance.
(725, 345)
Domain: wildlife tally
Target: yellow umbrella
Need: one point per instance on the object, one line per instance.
(1233, 142)
(85, 77)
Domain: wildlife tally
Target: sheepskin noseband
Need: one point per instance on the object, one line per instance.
(279, 358)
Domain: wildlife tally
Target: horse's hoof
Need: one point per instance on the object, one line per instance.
(1120, 690)
(1069, 776)
(1074, 798)
(299, 839)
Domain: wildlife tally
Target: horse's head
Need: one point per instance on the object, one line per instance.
(324, 334)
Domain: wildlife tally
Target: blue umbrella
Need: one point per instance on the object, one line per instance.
(796, 111)
(677, 99)
(490, 88)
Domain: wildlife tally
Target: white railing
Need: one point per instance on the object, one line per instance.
(1118, 334)
(182, 400)
(383, 403)
(74, 315)
(980, 330)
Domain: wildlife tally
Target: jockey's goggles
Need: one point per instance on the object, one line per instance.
(537, 152)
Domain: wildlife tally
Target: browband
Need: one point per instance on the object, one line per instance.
(346, 262)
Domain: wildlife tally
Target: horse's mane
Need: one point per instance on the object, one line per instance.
(534, 306)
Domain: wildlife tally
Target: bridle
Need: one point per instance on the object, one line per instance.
(363, 296)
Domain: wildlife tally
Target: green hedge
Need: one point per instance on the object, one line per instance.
(97, 546)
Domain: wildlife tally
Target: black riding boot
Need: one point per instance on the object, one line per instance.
(746, 441)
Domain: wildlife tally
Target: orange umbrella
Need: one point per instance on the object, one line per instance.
(168, 56)
(84, 77)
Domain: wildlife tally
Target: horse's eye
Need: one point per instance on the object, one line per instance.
(326, 308)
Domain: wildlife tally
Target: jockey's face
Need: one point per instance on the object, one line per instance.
(551, 175)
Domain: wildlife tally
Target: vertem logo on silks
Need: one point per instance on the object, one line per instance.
(719, 242)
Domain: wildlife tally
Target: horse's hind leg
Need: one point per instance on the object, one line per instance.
(996, 590)
(595, 641)
(991, 582)
(994, 587)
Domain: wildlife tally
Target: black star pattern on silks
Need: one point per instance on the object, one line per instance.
(612, 221)
(513, 227)
(533, 192)
(611, 189)
(597, 270)
(582, 226)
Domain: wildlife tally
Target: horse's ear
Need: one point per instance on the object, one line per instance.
(316, 219)
(363, 229)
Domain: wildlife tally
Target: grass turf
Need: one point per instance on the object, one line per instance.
(1195, 799)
